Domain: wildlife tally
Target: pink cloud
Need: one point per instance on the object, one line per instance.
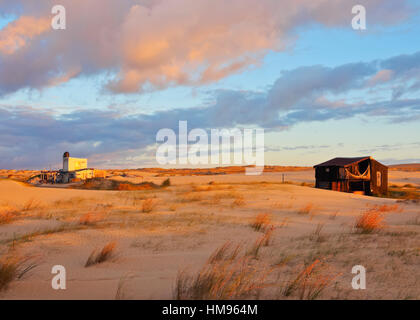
(18, 33)
(381, 76)
(154, 44)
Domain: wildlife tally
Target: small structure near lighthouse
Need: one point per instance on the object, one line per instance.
(74, 170)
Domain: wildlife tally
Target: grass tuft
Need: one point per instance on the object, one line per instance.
(148, 205)
(310, 282)
(105, 254)
(13, 269)
(307, 209)
(370, 221)
(231, 279)
(90, 219)
(261, 222)
(225, 252)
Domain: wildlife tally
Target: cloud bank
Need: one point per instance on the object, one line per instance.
(154, 44)
(312, 93)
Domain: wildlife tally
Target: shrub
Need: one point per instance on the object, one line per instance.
(238, 202)
(12, 269)
(105, 254)
(90, 219)
(148, 205)
(166, 183)
(307, 209)
(370, 221)
(261, 222)
(7, 216)
(108, 184)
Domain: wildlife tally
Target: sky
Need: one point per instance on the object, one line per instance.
(122, 70)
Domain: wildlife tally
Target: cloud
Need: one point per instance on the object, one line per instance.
(18, 33)
(155, 44)
(380, 77)
(31, 137)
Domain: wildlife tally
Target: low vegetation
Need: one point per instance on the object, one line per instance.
(307, 209)
(406, 192)
(370, 221)
(13, 269)
(105, 254)
(225, 276)
(262, 241)
(109, 184)
(261, 222)
(7, 216)
(90, 219)
(226, 252)
(310, 282)
(148, 205)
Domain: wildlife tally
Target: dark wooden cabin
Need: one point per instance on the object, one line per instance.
(364, 175)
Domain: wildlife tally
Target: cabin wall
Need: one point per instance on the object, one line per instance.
(379, 178)
(331, 178)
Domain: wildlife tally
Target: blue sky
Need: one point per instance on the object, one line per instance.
(376, 117)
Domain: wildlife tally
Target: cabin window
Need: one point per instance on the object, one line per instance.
(378, 178)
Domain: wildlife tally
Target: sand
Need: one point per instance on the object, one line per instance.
(192, 218)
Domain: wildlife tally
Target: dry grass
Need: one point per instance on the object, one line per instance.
(281, 205)
(148, 205)
(407, 192)
(262, 241)
(226, 275)
(231, 279)
(48, 231)
(31, 205)
(109, 184)
(90, 219)
(120, 295)
(307, 209)
(387, 208)
(105, 254)
(238, 202)
(317, 235)
(227, 195)
(13, 268)
(284, 223)
(370, 221)
(261, 222)
(226, 252)
(190, 197)
(211, 187)
(173, 207)
(333, 215)
(415, 221)
(72, 202)
(7, 215)
(310, 282)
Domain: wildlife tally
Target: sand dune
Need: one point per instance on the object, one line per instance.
(192, 218)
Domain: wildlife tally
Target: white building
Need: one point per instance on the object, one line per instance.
(75, 169)
(73, 164)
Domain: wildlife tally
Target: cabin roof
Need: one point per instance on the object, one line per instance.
(341, 162)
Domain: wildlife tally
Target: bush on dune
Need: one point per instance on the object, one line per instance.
(109, 184)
